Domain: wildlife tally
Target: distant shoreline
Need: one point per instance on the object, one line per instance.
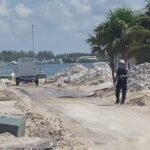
(48, 68)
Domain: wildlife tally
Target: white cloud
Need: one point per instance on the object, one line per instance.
(54, 11)
(70, 21)
(81, 6)
(23, 11)
(111, 4)
(12, 25)
(3, 9)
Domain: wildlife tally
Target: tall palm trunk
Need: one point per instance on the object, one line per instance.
(112, 66)
(125, 54)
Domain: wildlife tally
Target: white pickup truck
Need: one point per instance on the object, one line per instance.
(27, 71)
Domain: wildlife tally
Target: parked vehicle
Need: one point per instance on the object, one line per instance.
(27, 71)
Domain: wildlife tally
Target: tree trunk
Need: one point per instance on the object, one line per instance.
(124, 43)
(124, 54)
(112, 68)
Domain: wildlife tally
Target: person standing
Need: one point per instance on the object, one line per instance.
(121, 79)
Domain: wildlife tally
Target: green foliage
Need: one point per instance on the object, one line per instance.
(143, 56)
(123, 33)
(144, 21)
(148, 7)
(8, 55)
(44, 55)
(140, 48)
(110, 36)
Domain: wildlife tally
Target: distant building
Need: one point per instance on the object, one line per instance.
(87, 59)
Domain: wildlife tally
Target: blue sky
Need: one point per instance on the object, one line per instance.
(60, 25)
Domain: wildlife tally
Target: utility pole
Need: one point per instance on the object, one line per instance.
(33, 38)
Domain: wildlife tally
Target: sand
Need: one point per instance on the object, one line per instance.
(96, 123)
(77, 120)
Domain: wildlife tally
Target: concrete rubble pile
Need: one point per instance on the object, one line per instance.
(139, 77)
(99, 73)
(56, 77)
(143, 100)
(38, 126)
(77, 74)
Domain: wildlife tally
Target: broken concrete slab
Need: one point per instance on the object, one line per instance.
(13, 125)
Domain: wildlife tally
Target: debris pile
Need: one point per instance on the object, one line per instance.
(41, 127)
(139, 99)
(139, 77)
(37, 126)
(99, 73)
(76, 68)
(77, 74)
(22, 101)
(73, 143)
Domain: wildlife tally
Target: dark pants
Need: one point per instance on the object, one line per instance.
(120, 87)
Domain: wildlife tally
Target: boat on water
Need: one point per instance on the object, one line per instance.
(14, 63)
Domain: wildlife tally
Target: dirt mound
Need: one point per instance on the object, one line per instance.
(139, 98)
(140, 101)
(39, 126)
(73, 143)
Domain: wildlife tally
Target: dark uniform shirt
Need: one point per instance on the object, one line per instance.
(122, 81)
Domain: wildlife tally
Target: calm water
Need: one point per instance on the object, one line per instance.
(49, 69)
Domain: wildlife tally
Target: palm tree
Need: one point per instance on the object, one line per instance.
(97, 40)
(139, 47)
(110, 37)
(122, 20)
(122, 33)
(102, 42)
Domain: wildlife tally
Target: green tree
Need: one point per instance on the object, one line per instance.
(111, 37)
(122, 20)
(148, 7)
(139, 44)
(140, 36)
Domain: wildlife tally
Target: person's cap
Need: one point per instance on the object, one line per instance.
(122, 62)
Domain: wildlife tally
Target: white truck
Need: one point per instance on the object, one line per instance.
(27, 69)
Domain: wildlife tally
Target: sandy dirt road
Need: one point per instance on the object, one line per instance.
(105, 125)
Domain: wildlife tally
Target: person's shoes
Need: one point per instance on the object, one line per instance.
(117, 102)
(122, 103)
